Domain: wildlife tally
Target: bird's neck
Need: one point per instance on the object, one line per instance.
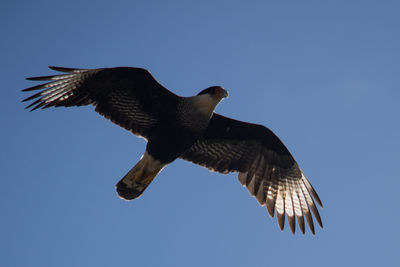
(196, 111)
(204, 104)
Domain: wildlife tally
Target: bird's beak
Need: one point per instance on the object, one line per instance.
(224, 94)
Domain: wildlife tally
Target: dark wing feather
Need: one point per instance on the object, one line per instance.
(265, 167)
(129, 97)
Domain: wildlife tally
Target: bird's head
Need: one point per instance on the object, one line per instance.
(206, 101)
(215, 91)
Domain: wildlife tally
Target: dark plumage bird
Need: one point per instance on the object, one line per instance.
(186, 128)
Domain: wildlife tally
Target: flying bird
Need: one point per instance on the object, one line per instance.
(186, 128)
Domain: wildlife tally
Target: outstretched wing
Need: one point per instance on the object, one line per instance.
(265, 167)
(129, 97)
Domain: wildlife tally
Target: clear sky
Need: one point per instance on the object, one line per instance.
(323, 75)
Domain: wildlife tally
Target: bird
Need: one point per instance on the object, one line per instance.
(177, 127)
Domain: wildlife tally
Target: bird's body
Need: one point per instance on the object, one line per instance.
(186, 128)
(176, 133)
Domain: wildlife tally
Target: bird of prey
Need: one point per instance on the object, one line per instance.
(186, 128)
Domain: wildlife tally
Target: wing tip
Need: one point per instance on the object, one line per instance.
(67, 70)
(270, 209)
(281, 220)
(55, 68)
(61, 69)
(311, 190)
(292, 224)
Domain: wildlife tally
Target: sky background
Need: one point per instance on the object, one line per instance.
(323, 75)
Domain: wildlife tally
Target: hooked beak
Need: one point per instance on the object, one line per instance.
(224, 94)
(221, 93)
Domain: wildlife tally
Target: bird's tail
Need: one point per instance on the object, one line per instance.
(139, 177)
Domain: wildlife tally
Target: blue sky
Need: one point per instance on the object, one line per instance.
(323, 75)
